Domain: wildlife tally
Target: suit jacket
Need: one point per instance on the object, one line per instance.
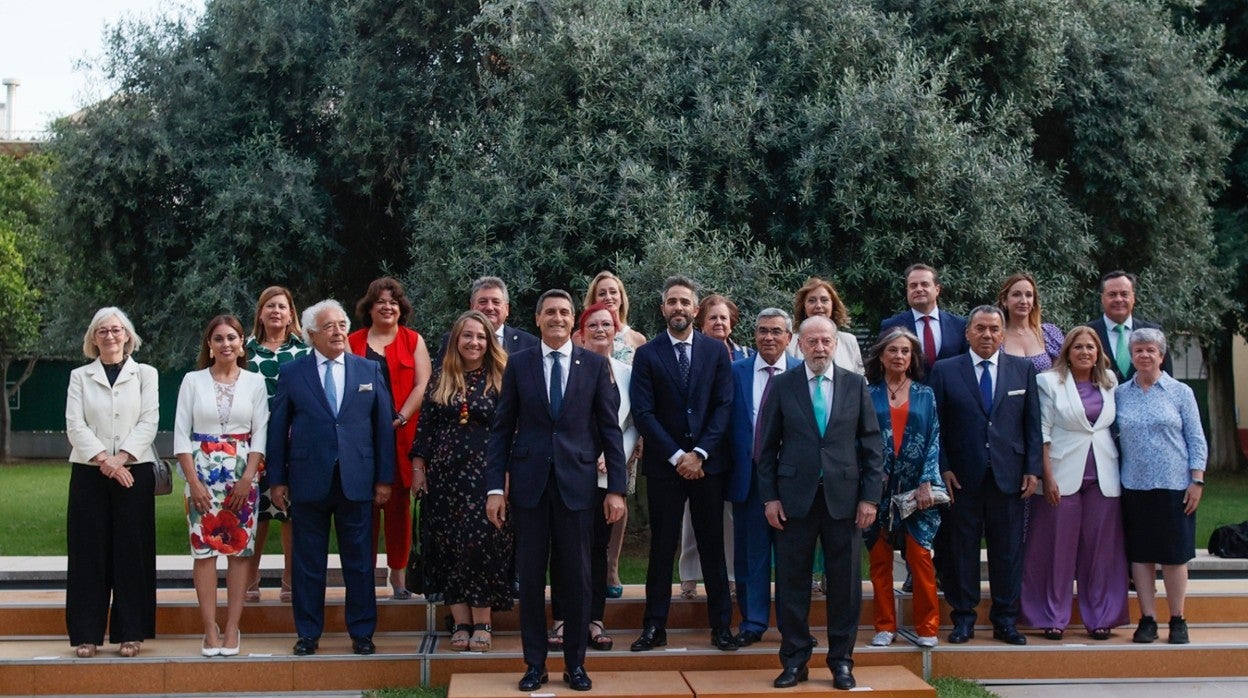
(197, 411)
(952, 331)
(971, 439)
(514, 339)
(793, 457)
(112, 418)
(527, 441)
(1065, 428)
(741, 429)
(306, 439)
(670, 419)
(1109, 345)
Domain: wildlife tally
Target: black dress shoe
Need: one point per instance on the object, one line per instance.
(723, 640)
(843, 677)
(577, 679)
(363, 645)
(745, 638)
(650, 638)
(908, 585)
(791, 676)
(961, 634)
(534, 677)
(1009, 635)
(305, 646)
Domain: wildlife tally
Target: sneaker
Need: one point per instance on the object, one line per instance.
(883, 639)
(1178, 630)
(923, 641)
(1147, 630)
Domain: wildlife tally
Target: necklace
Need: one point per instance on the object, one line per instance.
(892, 394)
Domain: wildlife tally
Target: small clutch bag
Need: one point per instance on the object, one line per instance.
(904, 503)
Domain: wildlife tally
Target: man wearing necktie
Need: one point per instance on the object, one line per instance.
(1118, 321)
(820, 474)
(331, 456)
(682, 401)
(941, 334)
(557, 411)
(990, 459)
(488, 295)
(753, 378)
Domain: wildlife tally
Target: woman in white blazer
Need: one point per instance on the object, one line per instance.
(1075, 527)
(219, 434)
(111, 415)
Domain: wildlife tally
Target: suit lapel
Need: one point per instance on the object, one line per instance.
(999, 389)
(948, 336)
(667, 357)
(313, 376)
(1074, 403)
(840, 397)
(972, 385)
(97, 373)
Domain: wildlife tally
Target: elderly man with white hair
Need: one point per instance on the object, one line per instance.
(331, 456)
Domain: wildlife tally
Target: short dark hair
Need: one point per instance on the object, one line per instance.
(921, 267)
(679, 280)
(364, 307)
(734, 313)
(555, 293)
(1119, 274)
(989, 310)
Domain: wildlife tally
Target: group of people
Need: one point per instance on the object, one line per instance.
(1075, 455)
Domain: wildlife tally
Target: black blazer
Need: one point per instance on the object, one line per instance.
(527, 441)
(1009, 439)
(794, 457)
(667, 418)
(952, 331)
(1102, 331)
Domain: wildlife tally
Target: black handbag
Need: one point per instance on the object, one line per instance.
(415, 561)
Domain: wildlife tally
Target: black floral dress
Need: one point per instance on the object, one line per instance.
(467, 559)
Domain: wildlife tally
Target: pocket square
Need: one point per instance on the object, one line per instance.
(368, 388)
(1017, 392)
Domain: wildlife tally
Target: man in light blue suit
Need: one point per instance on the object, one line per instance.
(752, 537)
(331, 455)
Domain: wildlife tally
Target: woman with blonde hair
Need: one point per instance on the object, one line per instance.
(608, 289)
(1025, 336)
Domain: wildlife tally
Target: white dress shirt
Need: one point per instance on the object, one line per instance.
(340, 374)
(1111, 330)
(918, 326)
(548, 362)
(992, 367)
(825, 386)
(688, 342)
(760, 382)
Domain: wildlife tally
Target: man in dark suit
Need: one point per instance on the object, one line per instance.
(942, 335)
(820, 474)
(331, 455)
(1114, 327)
(990, 459)
(752, 539)
(489, 296)
(682, 403)
(557, 411)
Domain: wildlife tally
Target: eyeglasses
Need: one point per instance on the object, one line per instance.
(106, 331)
(770, 331)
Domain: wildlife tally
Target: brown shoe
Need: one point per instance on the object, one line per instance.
(129, 649)
(85, 651)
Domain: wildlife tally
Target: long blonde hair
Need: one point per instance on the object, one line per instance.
(451, 385)
(1033, 317)
(591, 294)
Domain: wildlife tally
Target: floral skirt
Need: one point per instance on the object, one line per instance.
(219, 464)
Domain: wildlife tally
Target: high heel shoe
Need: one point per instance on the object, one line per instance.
(398, 589)
(232, 651)
(207, 651)
(252, 595)
(284, 595)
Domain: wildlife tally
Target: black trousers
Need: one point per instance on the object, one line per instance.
(597, 567)
(667, 497)
(111, 540)
(795, 553)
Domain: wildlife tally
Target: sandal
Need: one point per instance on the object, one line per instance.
(459, 638)
(398, 590)
(284, 595)
(252, 595)
(1053, 633)
(1101, 634)
(85, 651)
(600, 641)
(688, 590)
(555, 639)
(129, 649)
(482, 637)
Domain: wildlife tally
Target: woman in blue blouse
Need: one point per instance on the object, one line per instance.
(1163, 455)
(911, 441)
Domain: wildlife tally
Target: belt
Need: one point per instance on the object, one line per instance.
(244, 438)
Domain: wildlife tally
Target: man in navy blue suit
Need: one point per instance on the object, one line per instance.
(557, 411)
(331, 455)
(990, 459)
(942, 335)
(682, 403)
(1114, 327)
(752, 538)
(489, 296)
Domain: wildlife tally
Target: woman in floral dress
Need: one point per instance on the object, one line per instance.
(275, 340)
(219, 438)
(468, 561)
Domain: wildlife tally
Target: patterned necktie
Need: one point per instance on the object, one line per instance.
(758, 418)
(331, 388)
(985, 385)
(929, 342)
(1122, 354)
(682, 361)
(821, 406)
(556, 384)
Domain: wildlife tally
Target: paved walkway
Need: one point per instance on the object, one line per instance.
(1222, 688)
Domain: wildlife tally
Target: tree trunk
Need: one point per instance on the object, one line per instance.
(6, 416)
(1225, 453)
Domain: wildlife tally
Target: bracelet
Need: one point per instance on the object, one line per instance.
(402, 420)
(417, 470)
(1198, 483)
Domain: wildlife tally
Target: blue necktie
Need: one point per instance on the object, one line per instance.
(682, 361)
(985, 385)
(821, 406)
(556, 384)
(331, 389)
